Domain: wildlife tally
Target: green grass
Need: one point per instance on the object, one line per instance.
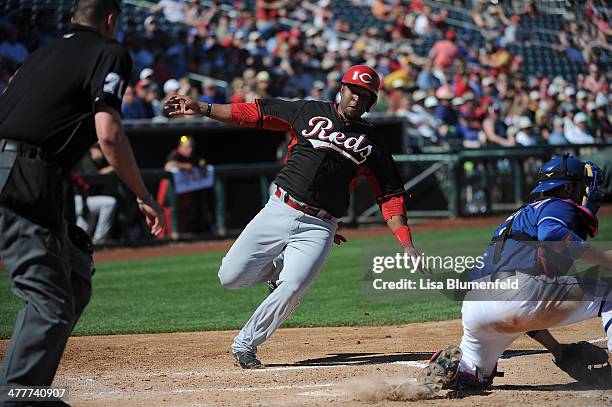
(183, 293)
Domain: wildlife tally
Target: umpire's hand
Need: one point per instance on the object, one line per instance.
(156, 218)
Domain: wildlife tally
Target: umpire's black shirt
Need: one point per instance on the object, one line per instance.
(52, 99)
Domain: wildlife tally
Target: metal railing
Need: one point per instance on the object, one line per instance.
(462, 177)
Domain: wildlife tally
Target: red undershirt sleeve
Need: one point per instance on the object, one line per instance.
(249, 115)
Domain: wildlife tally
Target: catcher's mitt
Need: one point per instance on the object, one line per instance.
(586, 363)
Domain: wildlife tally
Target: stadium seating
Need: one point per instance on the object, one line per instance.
(538, 59)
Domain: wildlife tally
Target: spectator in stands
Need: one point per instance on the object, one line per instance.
(473, 114)
(194, 213)
(422, 115)
(444, 52)
(422, 24)
(495, 130)
(225, 44)
(581, 100)
(426, 80)
(12, 49)
(600, 124)
(500, 60)
(576, 131)
(526, 135)
(239, 91)
(141, 56)
(316, 92)
(380, 10)
(511, 31)
(556, 137)
(210, 93)
(484, 15)
(267, 13)
(183, 156)
(333, 86)
(262, 85)
(132, 106)
(569, 94)
(174, 10)
(450, 128)
(594, 82)
(171, 87)
(573, 52)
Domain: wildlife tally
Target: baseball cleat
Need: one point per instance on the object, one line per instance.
(247, 360)
(442, 370)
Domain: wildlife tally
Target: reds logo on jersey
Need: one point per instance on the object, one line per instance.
(355, 149)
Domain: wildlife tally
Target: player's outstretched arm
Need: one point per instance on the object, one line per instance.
(181, 105)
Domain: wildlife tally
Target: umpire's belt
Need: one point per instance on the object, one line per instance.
(23, 149)
(308, 210)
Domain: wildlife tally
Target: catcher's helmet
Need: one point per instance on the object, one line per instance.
(364, 77)
(560, 170)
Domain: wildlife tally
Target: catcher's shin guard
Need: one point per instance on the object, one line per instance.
(442, 371)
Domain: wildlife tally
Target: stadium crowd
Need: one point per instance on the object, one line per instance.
(457, 94)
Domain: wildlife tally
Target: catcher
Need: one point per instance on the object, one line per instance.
(537, 246)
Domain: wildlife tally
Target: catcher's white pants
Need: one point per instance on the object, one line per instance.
(281, 244)
(489, 327)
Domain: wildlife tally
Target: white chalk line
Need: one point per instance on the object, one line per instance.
(217, 373)
(411, 363)
(201, 390)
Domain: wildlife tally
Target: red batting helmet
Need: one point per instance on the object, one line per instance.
(365, 77)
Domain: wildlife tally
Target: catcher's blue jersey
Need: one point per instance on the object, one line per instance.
(549, 220)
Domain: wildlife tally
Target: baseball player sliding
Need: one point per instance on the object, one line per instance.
(289, 239)
(537, 245)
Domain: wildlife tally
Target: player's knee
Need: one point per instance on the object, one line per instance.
(228, 278)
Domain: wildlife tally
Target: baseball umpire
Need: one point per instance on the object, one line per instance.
(63, 96)
(288, 240)
(536, 247)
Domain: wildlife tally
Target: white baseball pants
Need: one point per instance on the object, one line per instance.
(281, 244)
(489, 327)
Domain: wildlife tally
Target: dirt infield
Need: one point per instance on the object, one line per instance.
(306, 367)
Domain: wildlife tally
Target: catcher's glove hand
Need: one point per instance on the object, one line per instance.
(586, 363)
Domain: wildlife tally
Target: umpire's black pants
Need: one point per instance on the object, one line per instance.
(47, 271)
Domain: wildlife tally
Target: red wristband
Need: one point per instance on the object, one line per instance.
(403, 236)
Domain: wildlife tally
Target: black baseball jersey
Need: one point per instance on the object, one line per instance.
(52, 99)
(327, 154)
